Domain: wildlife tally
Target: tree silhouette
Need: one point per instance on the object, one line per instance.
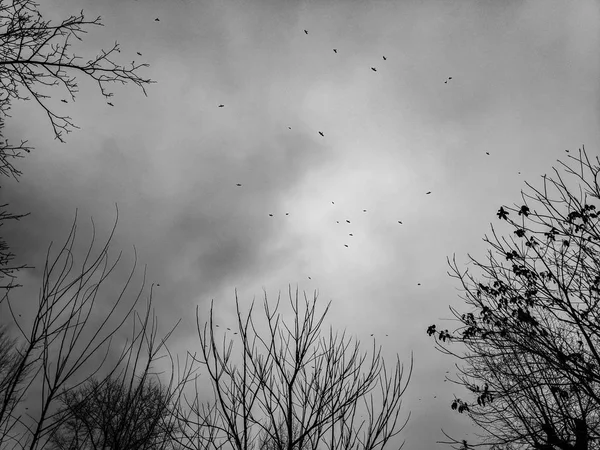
(35, 58)
(292, 389)
(36, 55)
(116, 414)
(532, 334)
(62, 342)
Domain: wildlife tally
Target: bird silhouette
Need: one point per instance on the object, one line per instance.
(63, 100)
(221, 106)
(139, 53)
(418, 284)
(449, 78)
(337, 221)
(371, 334)
(428, 192)
(157, 20)
(321, 133)
(373, 69)
(333, 203)
(347, 221)
(229, 329)
(350, 234)
(384, 58)
(109, 103)
(335, 50)
(400, 222)
(270, 215)
(287, 214)
(289, 128)
(345, 245)
(217, 326)
(305, 32)
(567, 151)
(487, 153)
(309, 278)
(364, 210)
(238, 184)
(446, 82)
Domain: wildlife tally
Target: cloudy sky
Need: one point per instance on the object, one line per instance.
(524, 88)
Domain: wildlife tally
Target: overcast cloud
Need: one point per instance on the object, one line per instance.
(525, 87)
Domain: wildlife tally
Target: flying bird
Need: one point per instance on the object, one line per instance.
(287, 214)
(270, 215)
(289, 128)
(337, 221)
(335, 50)
(345, 245)
(373, 69)
(139, 53)
(63, 100)
(157, 20)
(364, 210)
(321, 133)
(400, 222)
(567, 151)
(305, 32)
(487, 153)
(384, 58)
(371, 334)
(217, 326)
(109, 103)
(333, 203)
(238, 184)
(347, 221)
(350, 234)
(428, 192)
(418, 284)
(309, 278)
(229, 329)
(221, 106)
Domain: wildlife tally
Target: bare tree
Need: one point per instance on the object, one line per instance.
(293, 389)
(117, 413)
(36, 55)
(7, 269)
(532, 335)
(63, 342)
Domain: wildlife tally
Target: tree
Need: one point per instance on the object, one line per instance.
(532, 334)
(36, 56)
(56, 357)
(117, 414)
(293, 389)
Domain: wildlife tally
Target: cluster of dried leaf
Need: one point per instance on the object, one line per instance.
(532, 334)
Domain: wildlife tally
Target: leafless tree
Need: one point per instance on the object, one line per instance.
(64, 342)
(130, 412)
(7, 269)
(293, 388)
(36, 55)
(35, 58)
(532, 334)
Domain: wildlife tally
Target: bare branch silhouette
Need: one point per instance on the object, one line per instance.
(293, 388)
(63, 343)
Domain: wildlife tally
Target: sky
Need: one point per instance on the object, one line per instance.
(524, 89)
